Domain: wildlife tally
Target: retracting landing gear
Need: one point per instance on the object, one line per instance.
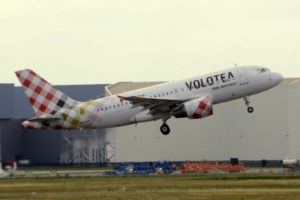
(165, 129)
(247, 103)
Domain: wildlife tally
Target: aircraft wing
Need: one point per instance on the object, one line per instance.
(148, 101)
(155, 105)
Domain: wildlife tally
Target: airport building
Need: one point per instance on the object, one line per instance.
(272, 132)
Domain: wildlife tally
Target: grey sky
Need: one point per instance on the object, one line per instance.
(86, 41)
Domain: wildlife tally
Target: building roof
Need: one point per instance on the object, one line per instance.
(121, 87)
(289, 81)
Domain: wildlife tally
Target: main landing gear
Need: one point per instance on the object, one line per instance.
(247, 103)
(165, 129)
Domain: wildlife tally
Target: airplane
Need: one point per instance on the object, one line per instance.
(191, 98)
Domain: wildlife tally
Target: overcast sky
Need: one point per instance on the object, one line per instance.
(86, 41)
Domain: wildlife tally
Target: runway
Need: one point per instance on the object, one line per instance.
(106, 172)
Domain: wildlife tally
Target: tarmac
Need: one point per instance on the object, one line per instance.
(97, 172)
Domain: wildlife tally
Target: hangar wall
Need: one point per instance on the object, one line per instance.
(46, 146)
(294, 120)
(272, 132)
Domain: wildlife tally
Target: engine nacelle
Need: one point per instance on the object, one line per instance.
(197, 108)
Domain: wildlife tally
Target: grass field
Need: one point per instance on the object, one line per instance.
(153, 187)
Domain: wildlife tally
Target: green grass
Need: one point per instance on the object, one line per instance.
(223, 187)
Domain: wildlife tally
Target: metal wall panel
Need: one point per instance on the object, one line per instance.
(293, 134)
(230, 132)
(39, 146)
(271, 132)
(6, 98)
(11, 139)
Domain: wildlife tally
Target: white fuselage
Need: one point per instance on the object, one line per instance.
(223, 86)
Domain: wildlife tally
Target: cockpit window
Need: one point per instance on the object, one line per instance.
(262, 70)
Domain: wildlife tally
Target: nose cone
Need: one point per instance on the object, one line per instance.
(277, 78)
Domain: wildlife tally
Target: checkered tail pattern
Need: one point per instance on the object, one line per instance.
(44, 98)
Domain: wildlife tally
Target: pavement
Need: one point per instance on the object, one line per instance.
(97, 172)
(56, 173)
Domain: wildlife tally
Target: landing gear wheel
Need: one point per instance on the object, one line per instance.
(247, 103)
(165, 129)
(250, 109)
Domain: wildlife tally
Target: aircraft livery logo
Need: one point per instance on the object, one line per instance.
(210, 80)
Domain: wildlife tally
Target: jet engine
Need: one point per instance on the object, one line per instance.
(196, 108)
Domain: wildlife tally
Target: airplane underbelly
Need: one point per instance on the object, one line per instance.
(118, 118)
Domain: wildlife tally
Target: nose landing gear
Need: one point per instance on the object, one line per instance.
(250, 109)
(247, 103)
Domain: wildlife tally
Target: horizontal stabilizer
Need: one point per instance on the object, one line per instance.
(39, 122)
(45, 119)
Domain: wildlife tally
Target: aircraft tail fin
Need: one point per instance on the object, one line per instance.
(43, 97)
